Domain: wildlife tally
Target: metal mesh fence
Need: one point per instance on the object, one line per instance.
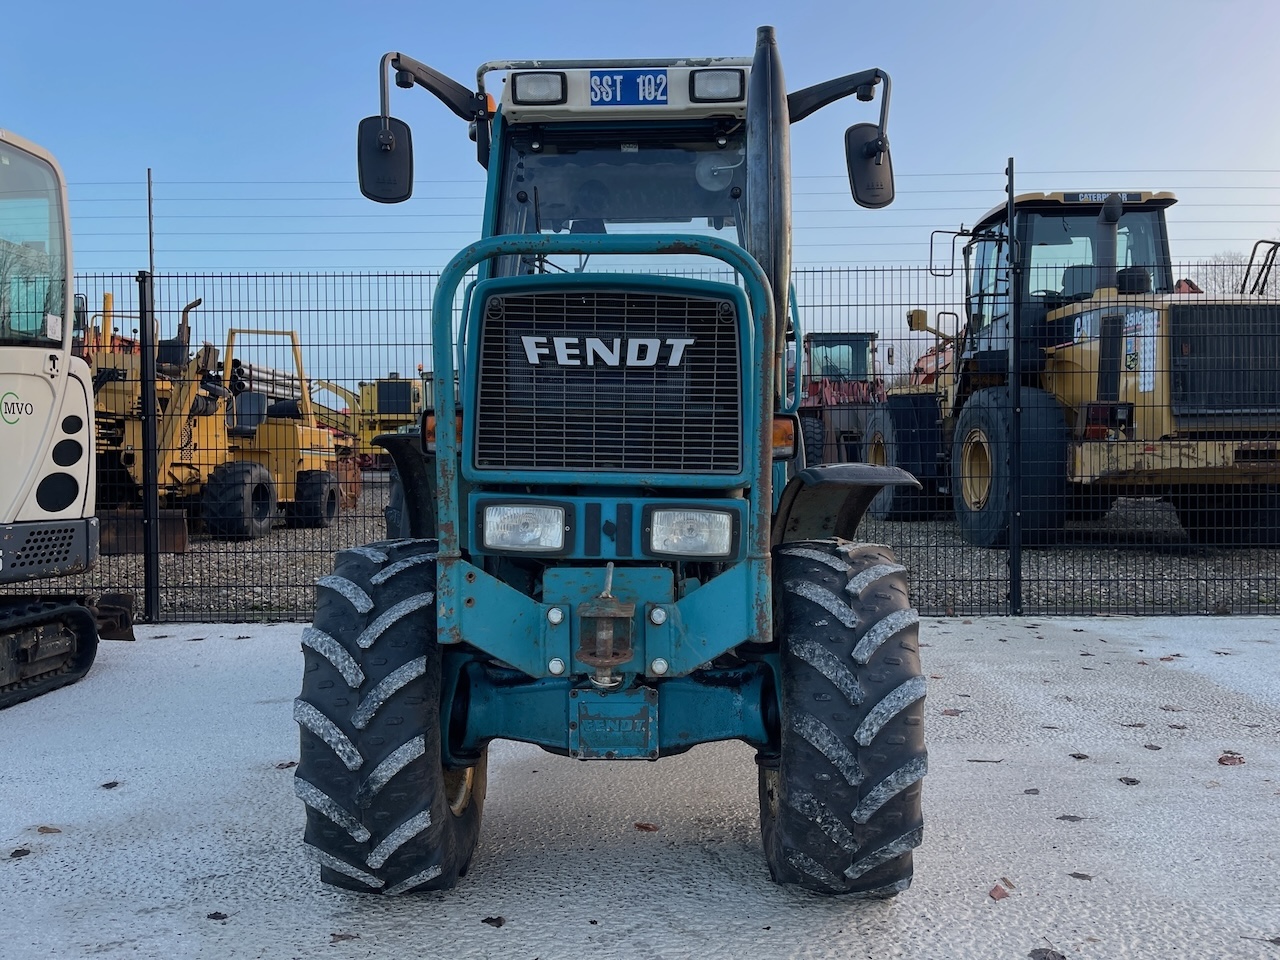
(1147, 448)
(1148, 453)
(361, 343)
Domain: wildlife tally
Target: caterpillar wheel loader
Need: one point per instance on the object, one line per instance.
(47, 485)
(598, 549)
(1130, 383)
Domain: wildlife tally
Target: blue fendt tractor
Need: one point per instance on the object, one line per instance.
(602, 543)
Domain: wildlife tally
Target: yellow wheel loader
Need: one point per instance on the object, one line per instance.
(1132, 383)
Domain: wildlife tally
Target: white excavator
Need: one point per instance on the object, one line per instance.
(47, 492)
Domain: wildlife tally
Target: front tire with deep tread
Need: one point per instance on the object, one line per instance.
(840, 809)
(239, 501)
(383, 814)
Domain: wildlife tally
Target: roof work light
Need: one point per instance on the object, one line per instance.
(542, 87)
(716, 85)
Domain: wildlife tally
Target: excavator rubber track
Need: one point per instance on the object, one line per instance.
(45, 643)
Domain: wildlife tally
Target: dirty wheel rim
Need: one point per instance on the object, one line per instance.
(975, 470)
(457, 789)
(772, 787)
(876, 451)
(260, 501)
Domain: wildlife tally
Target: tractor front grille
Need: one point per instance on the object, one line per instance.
(609, 381)
(1225, 360)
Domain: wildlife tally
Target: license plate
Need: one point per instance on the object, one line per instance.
(628, 88)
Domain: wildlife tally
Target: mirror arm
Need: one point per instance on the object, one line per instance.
(465, 103)
(384, 87)
(811, 99)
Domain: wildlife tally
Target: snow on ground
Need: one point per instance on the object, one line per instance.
(154, 801)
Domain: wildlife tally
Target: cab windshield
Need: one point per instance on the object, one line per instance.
(595, 179)
(848, 359)
(32, 251)
(1064, 248)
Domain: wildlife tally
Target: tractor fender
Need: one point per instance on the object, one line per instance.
(829, 500)
(415, 475)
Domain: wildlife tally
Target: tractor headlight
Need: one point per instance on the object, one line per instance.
(692, 533)
(524, 526)
(716, 85)
(538, 88)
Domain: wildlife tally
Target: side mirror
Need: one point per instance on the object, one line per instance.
(917, 320)
(385, 159)
(870, 169)
(888, 358)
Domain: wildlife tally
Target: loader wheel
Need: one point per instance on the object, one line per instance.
(239, 501)
(980, 477)
(840, 805)
(880, 447)
(383, 814)
(316, 504)
(814, 434)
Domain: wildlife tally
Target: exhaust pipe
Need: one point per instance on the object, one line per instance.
(1108, 229)
(769, 179)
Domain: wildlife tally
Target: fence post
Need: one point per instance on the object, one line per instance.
(1014, 445)
(150, 480)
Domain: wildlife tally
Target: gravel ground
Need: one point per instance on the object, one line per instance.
(268, 579)
(1098, 788)
(1136, 560)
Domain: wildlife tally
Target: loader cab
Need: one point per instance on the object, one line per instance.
(841, 356)
(1067, 258)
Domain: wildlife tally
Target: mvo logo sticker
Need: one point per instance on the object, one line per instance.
(13, 408)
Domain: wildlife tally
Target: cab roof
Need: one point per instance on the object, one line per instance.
(1091, 201)
(620, 89)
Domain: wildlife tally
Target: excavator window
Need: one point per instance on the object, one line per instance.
(33, 291)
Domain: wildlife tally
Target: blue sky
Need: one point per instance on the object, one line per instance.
(246, 113)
